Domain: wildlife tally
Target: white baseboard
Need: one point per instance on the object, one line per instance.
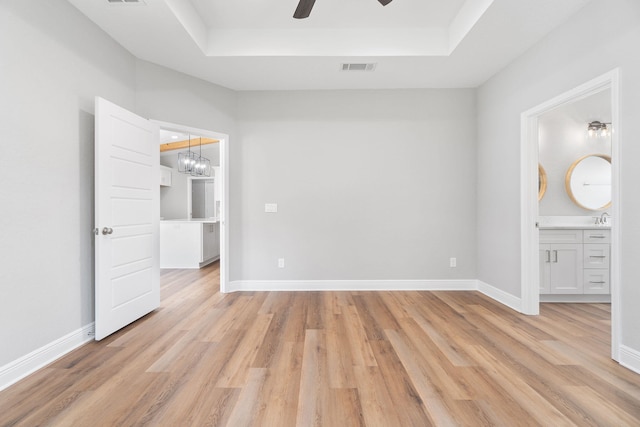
(630, 358)
(352, 285)
(501, 296)
(578, 298)
(18, 369)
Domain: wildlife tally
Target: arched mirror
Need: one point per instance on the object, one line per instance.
(542, 182)
(588, 182)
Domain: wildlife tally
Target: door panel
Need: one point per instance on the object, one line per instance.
(127, 218)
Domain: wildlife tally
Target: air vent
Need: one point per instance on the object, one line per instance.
(126, 1)
(359, 67)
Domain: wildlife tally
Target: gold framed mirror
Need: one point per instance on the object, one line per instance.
(588, 182)
(542, 182)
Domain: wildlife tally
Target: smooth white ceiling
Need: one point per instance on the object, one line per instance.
(257, 45)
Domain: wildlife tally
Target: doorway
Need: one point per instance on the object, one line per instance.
(222, 184)
(529, 165)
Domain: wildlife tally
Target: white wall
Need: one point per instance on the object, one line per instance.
(602, 36)
(369, 184)
(54, 62)
(173, 200)
(563, 139)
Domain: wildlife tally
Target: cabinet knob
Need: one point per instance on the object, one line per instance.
(107, 230)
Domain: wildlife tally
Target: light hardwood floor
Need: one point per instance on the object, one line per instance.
(335, 359)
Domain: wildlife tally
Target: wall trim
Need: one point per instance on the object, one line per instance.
(353, 285)
(501, 296)
(14, 371)
(630, 358)
(576, 299)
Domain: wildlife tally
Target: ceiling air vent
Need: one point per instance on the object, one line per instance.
(358, 67)
(126, 1)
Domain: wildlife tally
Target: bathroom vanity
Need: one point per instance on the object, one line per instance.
(574, 263)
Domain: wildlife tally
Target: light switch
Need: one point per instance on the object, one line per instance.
(271, 207)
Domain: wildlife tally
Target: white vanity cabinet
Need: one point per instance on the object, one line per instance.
(561, 262)
(597, 254)
(572, 264)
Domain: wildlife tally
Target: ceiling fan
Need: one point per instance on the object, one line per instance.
(304, 8)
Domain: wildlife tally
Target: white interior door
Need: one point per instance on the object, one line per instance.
(127, 210)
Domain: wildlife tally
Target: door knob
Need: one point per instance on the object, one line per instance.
(107, 230)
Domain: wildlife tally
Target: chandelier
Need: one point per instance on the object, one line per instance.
(190, 163)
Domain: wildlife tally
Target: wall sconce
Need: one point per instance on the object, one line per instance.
(597, 128)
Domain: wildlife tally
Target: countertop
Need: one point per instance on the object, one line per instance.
(571, 222)
(574, 227)
(194, 220)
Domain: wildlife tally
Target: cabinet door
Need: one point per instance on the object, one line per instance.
(208, 238)
(216, 242)
(165, 176)
(566, 269)
(544, 258)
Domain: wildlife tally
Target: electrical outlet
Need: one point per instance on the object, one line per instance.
(271, 207)
(280, 262)
(452, 262)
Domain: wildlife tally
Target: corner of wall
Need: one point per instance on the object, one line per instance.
(39, 358)
(500, 296)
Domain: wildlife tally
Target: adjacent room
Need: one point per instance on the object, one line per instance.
(335, 213)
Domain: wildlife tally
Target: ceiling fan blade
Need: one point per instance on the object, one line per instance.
(384, 2)
(304, 9)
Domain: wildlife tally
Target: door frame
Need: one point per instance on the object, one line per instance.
(224, 197)
(529, 197)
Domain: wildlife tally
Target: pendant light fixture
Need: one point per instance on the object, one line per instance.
(202, 166)
(187, 160)
(190, 163)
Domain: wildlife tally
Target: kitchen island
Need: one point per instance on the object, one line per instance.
(189, 243)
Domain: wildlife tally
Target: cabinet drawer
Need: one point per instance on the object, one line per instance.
(597, 236)
(561, 236)
(596, 255)
(596, 281)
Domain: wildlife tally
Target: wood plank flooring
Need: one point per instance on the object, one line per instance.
(335, 359)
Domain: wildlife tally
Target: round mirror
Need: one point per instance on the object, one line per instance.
(542, 182)
(588, 182)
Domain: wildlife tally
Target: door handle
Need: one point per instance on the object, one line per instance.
(107, 230)
(555, 256)
(548, 255)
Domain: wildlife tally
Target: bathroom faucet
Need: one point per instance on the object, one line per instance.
(602, 219)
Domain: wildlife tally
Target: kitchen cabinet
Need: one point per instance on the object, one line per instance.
(210, 241)
(165, 176)
(189, 243)
(571, 264)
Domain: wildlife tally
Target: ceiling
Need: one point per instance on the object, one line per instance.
(257, 45)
